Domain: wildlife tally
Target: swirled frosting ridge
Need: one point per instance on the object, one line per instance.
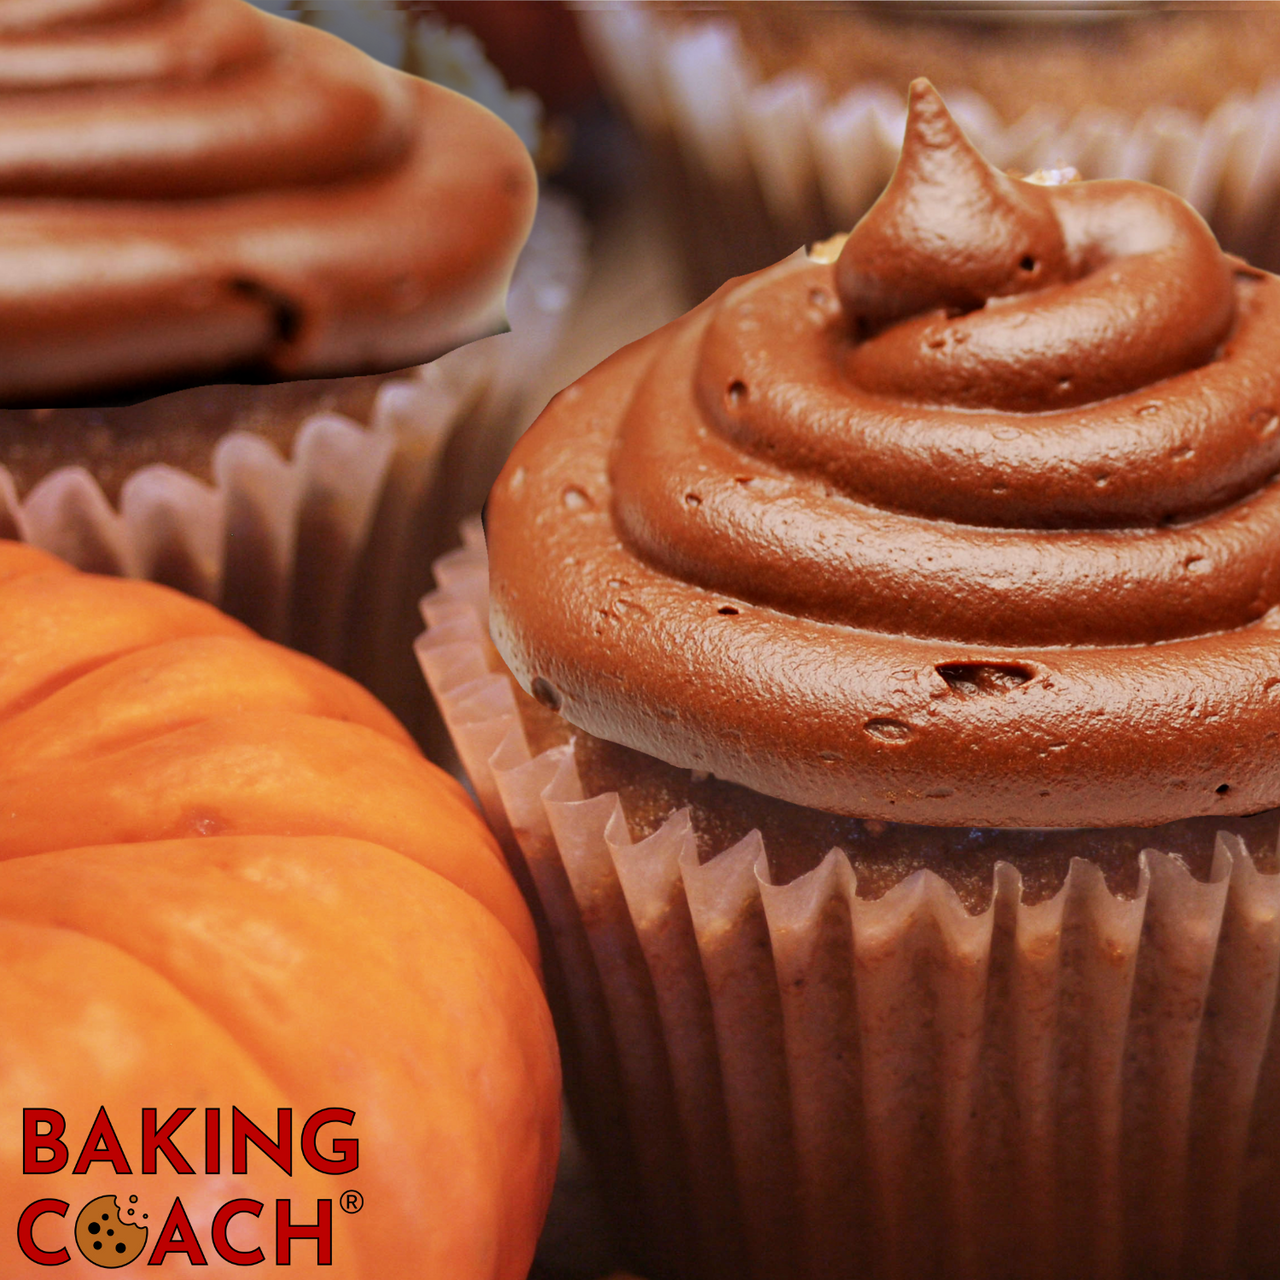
(973, 526)
(191, 189)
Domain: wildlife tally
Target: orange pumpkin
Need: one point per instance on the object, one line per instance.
(228, 881)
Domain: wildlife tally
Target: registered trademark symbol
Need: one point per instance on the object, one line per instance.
(351, 1202)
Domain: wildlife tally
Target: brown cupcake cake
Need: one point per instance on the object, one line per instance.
(892, 761)
(222, 233)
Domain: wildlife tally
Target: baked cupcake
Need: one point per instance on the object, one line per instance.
(224, 233)
(882, 731)
(773, 124)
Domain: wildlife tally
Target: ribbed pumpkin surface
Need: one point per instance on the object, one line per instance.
(229, 880)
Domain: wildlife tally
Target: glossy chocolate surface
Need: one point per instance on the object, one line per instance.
(193, 191)
(973, 527)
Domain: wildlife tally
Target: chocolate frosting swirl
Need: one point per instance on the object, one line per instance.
(191, 189)
(974, 526)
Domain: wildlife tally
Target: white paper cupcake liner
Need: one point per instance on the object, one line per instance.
(792, 1081)
(329, 549)
(778, 163)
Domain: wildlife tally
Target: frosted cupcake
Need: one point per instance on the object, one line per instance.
(889, 764)
(223, 232)
(774, 124)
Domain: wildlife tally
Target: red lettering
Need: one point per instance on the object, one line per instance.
(244, 1131)
(322, 1233)
(225, 1249)
(177, 1236)
(347, 1150)
(161, 1139)
(34, 1142)
(212, 1140)
(102, 1144)
(28, 1220)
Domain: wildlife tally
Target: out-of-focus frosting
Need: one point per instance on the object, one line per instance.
(191, 189)
(998, 548)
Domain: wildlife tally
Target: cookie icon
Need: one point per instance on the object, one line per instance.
(103, 1238)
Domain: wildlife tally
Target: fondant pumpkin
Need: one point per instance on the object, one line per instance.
(229, 883)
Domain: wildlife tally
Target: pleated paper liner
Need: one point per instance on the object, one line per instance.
(755, 168)
(328, 550)
(792, 1081)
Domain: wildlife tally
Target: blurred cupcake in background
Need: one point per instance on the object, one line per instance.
(775, 124)
(232, 243)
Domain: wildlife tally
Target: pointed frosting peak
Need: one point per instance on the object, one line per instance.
(950, 231)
